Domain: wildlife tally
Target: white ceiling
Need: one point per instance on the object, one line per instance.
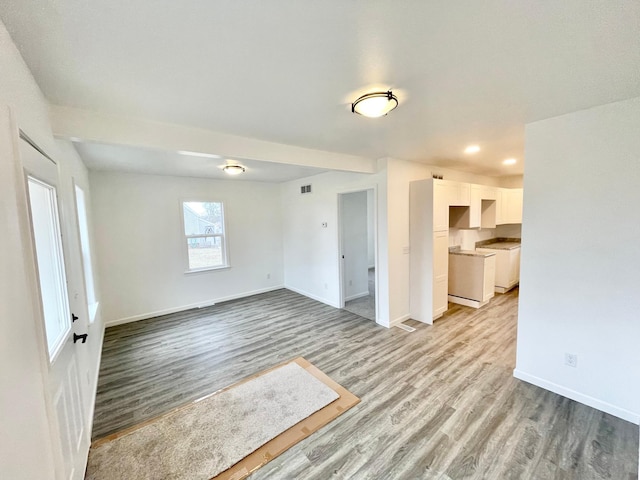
(285, 71)
(123, 158)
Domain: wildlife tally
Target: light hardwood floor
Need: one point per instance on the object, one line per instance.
(438, 403)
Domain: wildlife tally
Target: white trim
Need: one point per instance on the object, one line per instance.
(357, 295)
(206, 269)
(225, 243)
(312, 296)
(466, 301)
(398, 320)
(206, 303)
(632, 417)
(376, 259)
(94, 387)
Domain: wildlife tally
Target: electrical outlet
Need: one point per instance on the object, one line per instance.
(571, 360)
(350, 283)
(326, 286)
(268, 276)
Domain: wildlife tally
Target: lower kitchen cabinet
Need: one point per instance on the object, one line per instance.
(507, 267)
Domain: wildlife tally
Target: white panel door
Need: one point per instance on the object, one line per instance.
(41, 176)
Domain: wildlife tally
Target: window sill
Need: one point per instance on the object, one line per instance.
(207, 269)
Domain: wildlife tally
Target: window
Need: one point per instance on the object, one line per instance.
(83, 228)
(204, 235)
(50, 260)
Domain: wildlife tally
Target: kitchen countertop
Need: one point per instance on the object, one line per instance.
(470, 253)
(502, 245)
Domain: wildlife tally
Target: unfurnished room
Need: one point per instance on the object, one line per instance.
(313, 240)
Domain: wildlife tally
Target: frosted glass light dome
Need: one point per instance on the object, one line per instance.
(375, 105)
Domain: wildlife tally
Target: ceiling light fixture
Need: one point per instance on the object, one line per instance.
(375, 104)
(509, 161)
(233, 169)
(472, 149)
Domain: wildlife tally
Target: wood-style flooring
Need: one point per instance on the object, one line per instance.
(438, 403)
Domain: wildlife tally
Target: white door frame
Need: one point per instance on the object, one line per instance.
(341, 289)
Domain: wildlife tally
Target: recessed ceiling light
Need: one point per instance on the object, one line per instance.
(472, 149)
(233, 169)
(375, 104)
(509, 161)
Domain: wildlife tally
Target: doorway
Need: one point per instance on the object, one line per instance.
(358, 252)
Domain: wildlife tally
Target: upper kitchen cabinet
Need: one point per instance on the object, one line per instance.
(509, 206)
(483, 208)
(450, 193)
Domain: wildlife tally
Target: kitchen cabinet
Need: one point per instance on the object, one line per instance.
(434, 206)
(440, 272)
(442, 193)
(429, 239)
(509, 206)
(471, 277)
(482, 210)
(507, 267)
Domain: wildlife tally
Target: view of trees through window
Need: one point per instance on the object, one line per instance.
(204, 234)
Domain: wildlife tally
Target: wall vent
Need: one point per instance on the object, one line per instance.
(305, 189)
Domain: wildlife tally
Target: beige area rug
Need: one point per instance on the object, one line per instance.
(228, 434)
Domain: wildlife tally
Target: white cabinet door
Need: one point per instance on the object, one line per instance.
(475, 209)
(489, 281)
(514, 266)
(440, 272)
(514, 205)
(441, 195)
(463, 195)
(509, 206)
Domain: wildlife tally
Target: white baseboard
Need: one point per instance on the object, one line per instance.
(94, 387)
(579, 397)
(357, 295)
(466, 301)
(398, 320)
(206, 303)
(313, 297)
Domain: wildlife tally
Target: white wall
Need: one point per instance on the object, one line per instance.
(27, 446)
(311, 260)
(354, 219)
(579, 272)
(140, 243)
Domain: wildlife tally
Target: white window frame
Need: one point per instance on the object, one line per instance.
(84, 240)
(222, 236)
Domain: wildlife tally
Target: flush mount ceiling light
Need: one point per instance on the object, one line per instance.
(472, 149)
(233, 169)
(375, 104)
(509, 161)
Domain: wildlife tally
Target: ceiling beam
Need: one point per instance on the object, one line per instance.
(85, 125)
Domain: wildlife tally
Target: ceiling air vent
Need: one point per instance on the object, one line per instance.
(305, 189)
